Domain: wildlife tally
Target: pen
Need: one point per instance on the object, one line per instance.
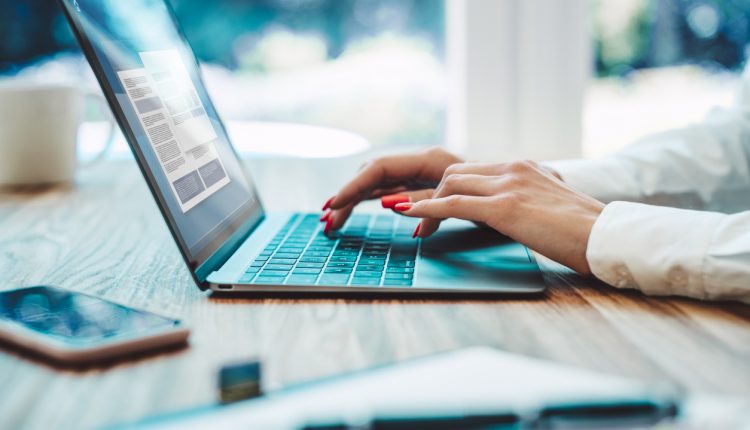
(636, 412)
(489, 421)
(609, 414)
(499, 421)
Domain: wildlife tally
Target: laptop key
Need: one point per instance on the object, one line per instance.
(343, 259)
(378, 267)
(399, 270)
(258, 263)
(247, 277)
(344, 264)
(313, 259)
(281, 273)
(359, 274)
(401, 263)
(284, 267)
(306, 265)
(402, 257)
(338, 270)
(304, 271)
(398, 276)
(316, 254)
(252, 270)
(282, 261)
(319, 248)
(371, 262)
(295, 250)
(289, 255)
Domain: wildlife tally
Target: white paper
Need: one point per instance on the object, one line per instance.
(178, 128)
(469, 381)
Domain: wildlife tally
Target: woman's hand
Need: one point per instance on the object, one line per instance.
(404, 178)
(522, 200)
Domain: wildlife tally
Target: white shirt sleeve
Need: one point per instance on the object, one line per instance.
(668, 251)
(705, 166)
(661, 249)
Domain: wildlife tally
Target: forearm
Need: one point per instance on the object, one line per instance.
(667, 251)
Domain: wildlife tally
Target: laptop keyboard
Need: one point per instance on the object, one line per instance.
(371, 250)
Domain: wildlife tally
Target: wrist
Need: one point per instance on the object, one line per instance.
(591, 216)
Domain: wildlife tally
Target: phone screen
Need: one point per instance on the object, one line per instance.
(76, 319)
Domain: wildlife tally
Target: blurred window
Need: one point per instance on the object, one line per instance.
(661, 64)
(374, 67)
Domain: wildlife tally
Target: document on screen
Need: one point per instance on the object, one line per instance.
(177, 126)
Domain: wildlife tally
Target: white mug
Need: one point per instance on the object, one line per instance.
(39, 130)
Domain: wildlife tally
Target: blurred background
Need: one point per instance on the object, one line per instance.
(379, 67)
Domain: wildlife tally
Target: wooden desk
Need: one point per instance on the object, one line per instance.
(106, 237)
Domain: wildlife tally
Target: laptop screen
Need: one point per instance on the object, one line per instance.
(151, 78)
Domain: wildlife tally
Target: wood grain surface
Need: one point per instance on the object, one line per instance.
(104, 236)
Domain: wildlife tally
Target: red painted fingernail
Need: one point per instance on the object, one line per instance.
(328, 203)
(326, 215)
(392, 200)
(328, 226)
(416, 231)
(401, 207)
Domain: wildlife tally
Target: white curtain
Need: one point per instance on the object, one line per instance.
(517, 72)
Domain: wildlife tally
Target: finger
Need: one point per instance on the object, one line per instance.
(471, 208)
(429, 226)
(419, 195)
(418, 168)
(335, 219)
(463, 184)
(470, 185)
(387, 191)
(495, 169)
(391, 200)
(426, 229)
(339, 216)
(486, 169)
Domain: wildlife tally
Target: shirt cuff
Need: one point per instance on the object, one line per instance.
(656, 249)
(605, 179)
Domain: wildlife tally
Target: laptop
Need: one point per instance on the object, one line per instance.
(152, 82)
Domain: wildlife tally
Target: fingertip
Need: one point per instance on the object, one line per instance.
(416, 231)
(328, 202)
(393, 200)
(403, 207)
(427, 227)
(341, 219)
(327, 228)
(326, 215)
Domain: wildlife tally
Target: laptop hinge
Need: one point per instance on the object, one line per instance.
(227, 249)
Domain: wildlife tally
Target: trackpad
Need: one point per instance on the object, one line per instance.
(460, 251)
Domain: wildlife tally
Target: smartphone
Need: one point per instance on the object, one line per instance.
(76, 328)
